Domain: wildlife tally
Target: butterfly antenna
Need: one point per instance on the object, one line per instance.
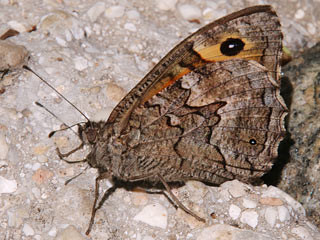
(29, 69)
(53, 132)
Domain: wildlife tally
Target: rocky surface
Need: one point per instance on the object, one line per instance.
(93, 53)
(301, 178)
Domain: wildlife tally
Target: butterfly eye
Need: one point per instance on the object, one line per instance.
(232, 46)
(252, 141)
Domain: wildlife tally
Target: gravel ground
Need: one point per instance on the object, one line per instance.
(94, 53)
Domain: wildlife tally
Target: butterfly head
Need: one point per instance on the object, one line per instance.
(89, 133)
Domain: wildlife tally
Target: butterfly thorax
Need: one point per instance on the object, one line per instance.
(107, 149)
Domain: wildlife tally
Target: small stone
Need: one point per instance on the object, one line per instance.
(63, 24)
(271, 201)
(11, 55)
(36, 166)
(17, 26)
(4, 147)
(166, 5)
(234, 211)
(283, 213)
(271, 216)
(7, 186)
(130, 26)
(52, 232)
(189, 12)
(69, 233)
(235, 188)
(96, 10)
(114, 92)
(80, 63)
(250, 218)
(61, 41)
(114, 11)
(208, 14)
(28, 230)
(299, 14)
(133, 14)
(41, 176)
(247, 203)
(311, 28)
(155, 215)
(302, 233)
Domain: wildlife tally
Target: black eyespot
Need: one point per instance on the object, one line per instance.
(232, 46)
(252, 141)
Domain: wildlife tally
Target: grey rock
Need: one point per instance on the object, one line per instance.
(300, 177)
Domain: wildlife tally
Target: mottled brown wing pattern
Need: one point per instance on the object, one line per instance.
(210, 110)
(252, 34)
(219, 122)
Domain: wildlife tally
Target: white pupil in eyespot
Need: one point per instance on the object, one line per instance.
(231, 46)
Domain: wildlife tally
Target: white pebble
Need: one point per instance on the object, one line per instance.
(247, 203)
(250, 218)
(133, 14)
(189, 12)
(114, 11)
(283, 213)
(271, 216)
(208, 14)
(17, 26)
(302, 233)
(52, 232)
(155, 215)
(80, 63)
(36, 166)
(299, 14)
(235, 188)
(130, 26)
(96, 10)
(7, 186)
(234, 211)
(61, 41)
(28, 230)
(311, 28)
(166, 4)
(4, 147)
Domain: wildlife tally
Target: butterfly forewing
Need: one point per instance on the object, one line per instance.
(251, 34)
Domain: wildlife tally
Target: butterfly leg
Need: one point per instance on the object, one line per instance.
(105, 175)
(64, 155)
(176, 200)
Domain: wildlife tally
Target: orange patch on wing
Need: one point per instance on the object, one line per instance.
(162, 84)
(212, 52)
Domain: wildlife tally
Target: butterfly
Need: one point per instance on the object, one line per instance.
(210, 110)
